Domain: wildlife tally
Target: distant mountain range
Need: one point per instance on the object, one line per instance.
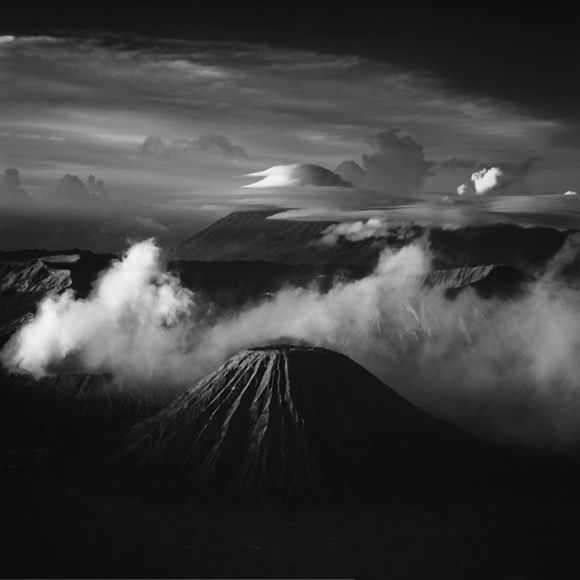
(253, 235)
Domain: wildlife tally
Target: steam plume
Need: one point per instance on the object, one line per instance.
(355, 231)
(373, 228)
(505, 367)
(132, 321)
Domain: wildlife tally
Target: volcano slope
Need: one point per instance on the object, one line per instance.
(292, 424)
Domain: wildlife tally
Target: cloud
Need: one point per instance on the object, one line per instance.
(155, 145)
(220, 145)
(97, 187)
(508, 368)
(72, 191)
(10, 190)
(496, 177)
(569, 192)
(150, 224)
(84, 214)
(263, 100)
(457, 163)
(216, 145)
(398, 165)
(482, 363)
(485, 180)
(351, 171)
(298, 175)
(373, 228)
(355, 231)
(130, 320)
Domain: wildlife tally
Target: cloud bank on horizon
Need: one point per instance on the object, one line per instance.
(73, 212)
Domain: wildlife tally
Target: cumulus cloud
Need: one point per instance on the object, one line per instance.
(569, 192)
(496, 177)
(505, 366)
(299, 175)
(83, 213)
(71, 190)
(97, 187)
(216, 145)
(351, 171)
(485, 180)
(397, 166)
(10, 190)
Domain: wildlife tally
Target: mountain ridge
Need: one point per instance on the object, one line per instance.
(253, 235)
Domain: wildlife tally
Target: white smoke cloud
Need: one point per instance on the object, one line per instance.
(373, 228)
(569, 192)
(131, 322)
(355, 231)
(506, 366)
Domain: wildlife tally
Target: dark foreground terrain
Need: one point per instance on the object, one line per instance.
(58, 523)
(55, 530)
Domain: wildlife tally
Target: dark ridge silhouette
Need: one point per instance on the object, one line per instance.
(293, 424)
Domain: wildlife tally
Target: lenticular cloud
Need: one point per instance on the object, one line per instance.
(300, 175)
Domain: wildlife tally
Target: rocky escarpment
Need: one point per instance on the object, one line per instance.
(22, 285)
(489, 280)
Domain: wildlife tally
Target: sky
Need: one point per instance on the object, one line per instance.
(174, 107)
